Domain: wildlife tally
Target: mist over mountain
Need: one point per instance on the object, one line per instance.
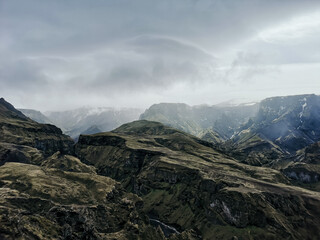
(36, 115)
(198, 120)
(282, 126)
(92, 120)
(270, 133)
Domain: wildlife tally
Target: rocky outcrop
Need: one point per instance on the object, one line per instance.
(17, 129)
(67, 163)
(303, 172)
(43, 203)
(19, 153)
(304, 167)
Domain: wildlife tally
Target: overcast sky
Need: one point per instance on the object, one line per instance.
(58, 55)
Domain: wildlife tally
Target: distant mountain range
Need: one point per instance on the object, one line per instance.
(282, 126)
(279, 125)
(199, 120)
(85, 120)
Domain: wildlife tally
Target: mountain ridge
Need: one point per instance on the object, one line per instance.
(187, 184)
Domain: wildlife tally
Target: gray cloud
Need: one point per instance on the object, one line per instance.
(23, 74)
(93, 52)
(169, 48)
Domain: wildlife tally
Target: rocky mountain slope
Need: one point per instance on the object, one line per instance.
(304, 167)
(256, 134)
(282, 126)
(186, 184)
(199, 120)
(56, 196)
(15, 128)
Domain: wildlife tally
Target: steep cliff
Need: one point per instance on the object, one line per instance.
(17, 129)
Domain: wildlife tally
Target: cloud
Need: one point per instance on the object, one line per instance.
(293, 30)
(247, 67)
(22, 74)
(169, 48)
(104, 51)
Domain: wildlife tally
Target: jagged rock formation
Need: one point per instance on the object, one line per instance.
(186, 184)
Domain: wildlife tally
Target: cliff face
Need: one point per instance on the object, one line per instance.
(47, 203)
(304, 168)
(47, 194)
(187, 184)
(290, 122)
(17, 129)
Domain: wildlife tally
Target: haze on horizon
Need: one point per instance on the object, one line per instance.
(58, 55)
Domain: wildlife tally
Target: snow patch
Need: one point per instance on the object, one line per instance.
(303, 108)
(227, 212)
(244, 131)
(249, 104)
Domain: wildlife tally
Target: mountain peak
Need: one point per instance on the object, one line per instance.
(7, 110)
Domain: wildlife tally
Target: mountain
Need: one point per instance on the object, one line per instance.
(146, 180)
(198, 120)
(92, 130)
(82, 120)
(48, 194)
(36, 115)
(282, 126)
(187, 185)
(16, 128)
